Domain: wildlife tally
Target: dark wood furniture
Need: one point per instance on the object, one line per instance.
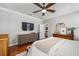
(27, 38)
(70, 37)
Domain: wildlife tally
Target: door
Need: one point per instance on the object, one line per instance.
(41, 31)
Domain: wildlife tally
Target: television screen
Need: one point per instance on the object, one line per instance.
(31, 26)
(27, 26)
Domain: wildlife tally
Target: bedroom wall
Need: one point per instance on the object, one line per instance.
(11, 21)
(62, 9)
(70, 20)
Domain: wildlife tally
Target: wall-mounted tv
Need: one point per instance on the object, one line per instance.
(27, 26)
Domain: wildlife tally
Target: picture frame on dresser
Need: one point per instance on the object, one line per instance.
(63, 31)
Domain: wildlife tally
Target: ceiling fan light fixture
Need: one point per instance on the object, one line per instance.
(44, 11)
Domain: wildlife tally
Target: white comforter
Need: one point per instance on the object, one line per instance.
(54, 47)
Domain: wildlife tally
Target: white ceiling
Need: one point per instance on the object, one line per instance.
(28, 8)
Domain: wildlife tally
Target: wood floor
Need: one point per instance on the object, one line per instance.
(13, 50)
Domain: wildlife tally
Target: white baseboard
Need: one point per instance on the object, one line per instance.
(13, 44)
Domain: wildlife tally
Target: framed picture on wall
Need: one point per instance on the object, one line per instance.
(63, 31)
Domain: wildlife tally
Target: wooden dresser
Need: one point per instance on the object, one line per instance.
(3, 44)
(70, 37)
(26, 38)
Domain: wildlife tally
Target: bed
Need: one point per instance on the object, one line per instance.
(54, 46)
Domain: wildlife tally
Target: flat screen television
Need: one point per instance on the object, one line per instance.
(27, 26)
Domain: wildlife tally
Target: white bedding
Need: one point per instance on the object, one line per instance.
(67, 48)
(54, 47)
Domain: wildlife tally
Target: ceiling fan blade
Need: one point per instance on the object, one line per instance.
(37, 4)
(49, 10)
(50, 4)
(36, 11)
(43, 14)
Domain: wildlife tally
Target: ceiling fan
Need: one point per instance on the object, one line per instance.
(44, 8)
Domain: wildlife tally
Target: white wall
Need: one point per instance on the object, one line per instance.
(70, 20)
(11, 21)
(62, 9)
